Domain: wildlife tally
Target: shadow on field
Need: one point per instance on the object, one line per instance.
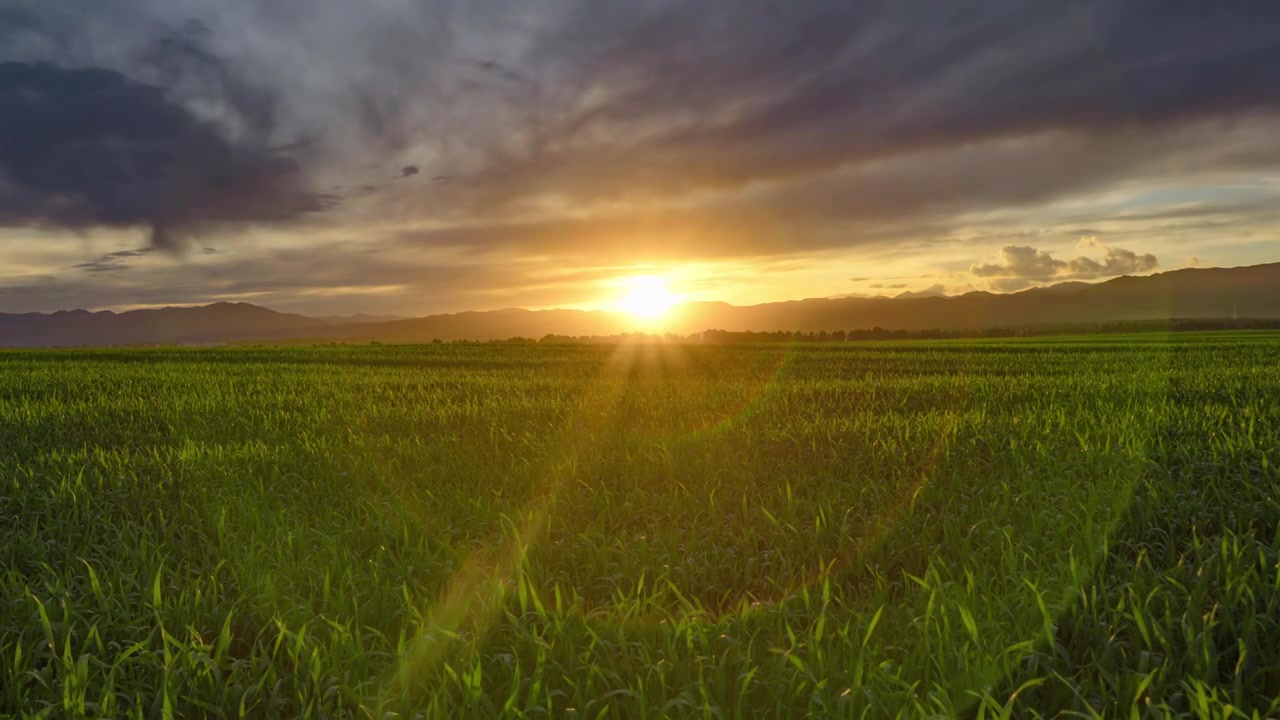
(1186, 596)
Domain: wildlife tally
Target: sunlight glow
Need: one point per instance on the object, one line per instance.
(647, 296)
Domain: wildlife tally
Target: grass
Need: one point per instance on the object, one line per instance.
(986, 529)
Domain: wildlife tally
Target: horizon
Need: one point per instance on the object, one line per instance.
(1190, 298)
(640, 320)
(424, 157)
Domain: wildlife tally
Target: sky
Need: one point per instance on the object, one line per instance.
(411, 157)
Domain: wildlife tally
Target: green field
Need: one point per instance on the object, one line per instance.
(1083, 526)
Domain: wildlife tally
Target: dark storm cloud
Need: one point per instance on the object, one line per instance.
(664, 96)
(90, 147)
(703, 94)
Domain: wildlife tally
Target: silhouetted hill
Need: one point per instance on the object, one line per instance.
(357, 319)
(915, 295)
(209, 323)
(1247, 292)
(1192, 293)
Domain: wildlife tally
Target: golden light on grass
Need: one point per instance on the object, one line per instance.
(647, 296)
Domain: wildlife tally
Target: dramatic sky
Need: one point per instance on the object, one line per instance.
(418, 156)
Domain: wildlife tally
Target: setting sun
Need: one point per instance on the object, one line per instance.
(647, 296)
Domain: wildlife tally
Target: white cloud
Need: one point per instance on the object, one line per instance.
(1020, 266)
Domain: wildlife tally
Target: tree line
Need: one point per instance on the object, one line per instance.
(723, 337)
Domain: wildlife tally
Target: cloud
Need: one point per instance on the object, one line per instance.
(92, 148)
(408, 171)
(662, 98)
(328, 280)
(1022, 265)
(498, 70)
(112, 261)
(913, 201)
(787, 91)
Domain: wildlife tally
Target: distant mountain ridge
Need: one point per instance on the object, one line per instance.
(1196, 293)
(221, 321)
(916, 295)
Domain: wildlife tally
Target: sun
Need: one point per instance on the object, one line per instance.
(647, 296)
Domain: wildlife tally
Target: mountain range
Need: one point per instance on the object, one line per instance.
(1195, 293)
